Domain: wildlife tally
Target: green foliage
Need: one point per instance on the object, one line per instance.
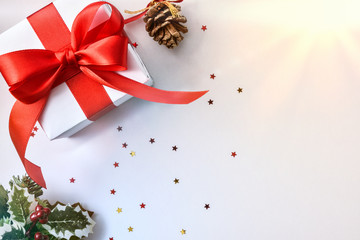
(65, 221)
(3, 203)
(15, 234)
(27, 182)
(20, 202)
(4, 221)
(71, 222)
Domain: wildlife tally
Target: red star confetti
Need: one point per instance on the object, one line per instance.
(72, 180)
(152, 140)
(111, 238)
(119, 128)
(207, 206)
(36, 129)
(116, 164)
(124, 145)
(204, 28)
(142, 205)
(135, 45)
(175, 148)
(233, 154)
(212, 76)
(112, 191)
(240, 90)
(211, 102)
(32, 134)
(130, 229)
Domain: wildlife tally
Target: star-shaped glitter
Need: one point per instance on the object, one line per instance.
(183, 231)
(142, 205)
(211, 102)
(175, 148)
(176, 181)
(130, 229)
(233, 154)
(207, 206)
(72, 180)
(152, 140)
(32, 134)
(124, 145)
(119, 210)
(132, 153)
(204, 28)
(135, 45)
(240, 90)
(119, 128)
(116, 164)
(112, 191)
(36, 129)
(212, 76)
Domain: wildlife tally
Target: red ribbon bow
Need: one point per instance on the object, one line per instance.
(94, 52)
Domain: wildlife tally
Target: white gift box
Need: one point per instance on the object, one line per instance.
(62, 116)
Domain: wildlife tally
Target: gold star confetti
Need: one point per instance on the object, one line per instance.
(176, 181)
(130, 229)
(132, 153)
(240, 90)
(183, 231)
(119, 210)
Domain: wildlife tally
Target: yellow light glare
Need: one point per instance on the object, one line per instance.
(312, 16)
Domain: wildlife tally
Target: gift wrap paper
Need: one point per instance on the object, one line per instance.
(277, 161)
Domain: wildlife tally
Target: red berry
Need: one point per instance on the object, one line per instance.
(47, 211)
(43, 220)
(38, 236)
(33, 217)
(38, 208)
(40, 214)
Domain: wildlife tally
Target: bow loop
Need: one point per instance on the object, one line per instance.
(108, 54)
(97, 21)
(30, 74)
(17, 67)
(96, 42)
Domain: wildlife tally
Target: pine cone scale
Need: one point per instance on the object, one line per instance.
(165, 28)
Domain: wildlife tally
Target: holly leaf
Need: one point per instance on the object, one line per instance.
(15, 234)
(21, 203)
(9, 232)
(3, 203)
(69, 221)
(4, 221)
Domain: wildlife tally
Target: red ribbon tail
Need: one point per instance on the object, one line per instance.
(22, 120)
(140, 90)
(34, 172)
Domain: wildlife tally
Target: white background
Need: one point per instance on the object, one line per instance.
(295, 129)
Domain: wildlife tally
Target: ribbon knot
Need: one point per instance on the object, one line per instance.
(67, 57)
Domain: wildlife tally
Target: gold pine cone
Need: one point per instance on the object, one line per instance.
(163, 26)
